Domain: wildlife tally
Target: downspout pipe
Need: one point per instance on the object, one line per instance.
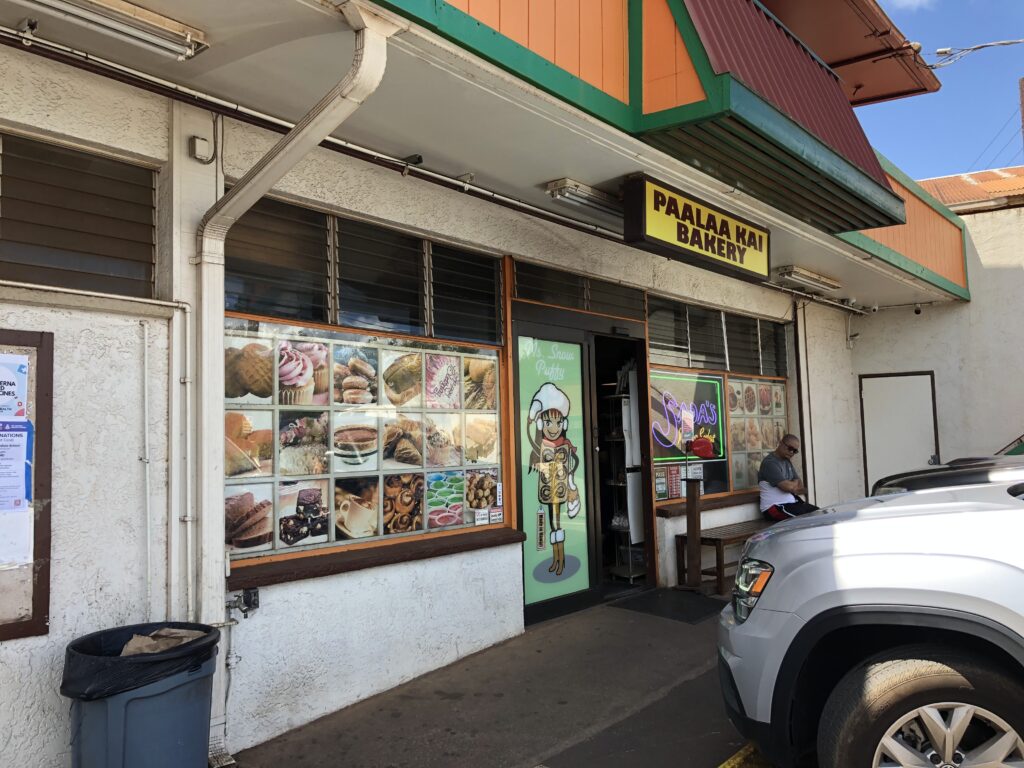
(372, 33)
(372, 30)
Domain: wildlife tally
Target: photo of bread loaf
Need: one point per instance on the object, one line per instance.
(248, 516)
(480, 439)
(402, 378)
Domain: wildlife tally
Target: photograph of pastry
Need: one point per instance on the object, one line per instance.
(443, 447)
(480, 384)
(753, 435)
(248, 370)
(445, 499)
(355, 507)
(738, 434)
(402, 378)
(779, 400)
(753, 467)
(302, 442)
(764, 398)
(320, 355)
(768, 441)
(749, 398)
(778, 432)
(355, 375)
(480, 439)
(295, 384)
(402, 503)
(481, 490)
(735, 398)
(249, 517)
(248, 443)
(302, 512)
(402, 443)
(443, 381)
(355, 441)
(739, 472)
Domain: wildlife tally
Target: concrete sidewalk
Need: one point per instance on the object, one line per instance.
(606, 686)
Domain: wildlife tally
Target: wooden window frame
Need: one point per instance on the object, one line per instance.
(38, 622)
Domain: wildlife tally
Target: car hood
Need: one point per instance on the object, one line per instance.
(923, 504)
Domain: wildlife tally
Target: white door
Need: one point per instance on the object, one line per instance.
(898, 412)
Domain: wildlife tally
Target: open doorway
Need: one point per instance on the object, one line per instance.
(623, 532)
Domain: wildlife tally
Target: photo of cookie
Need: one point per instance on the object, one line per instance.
(248, 369)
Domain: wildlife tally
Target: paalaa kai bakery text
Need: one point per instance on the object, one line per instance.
(703, 230)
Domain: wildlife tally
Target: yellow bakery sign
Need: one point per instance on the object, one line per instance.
(672, 222)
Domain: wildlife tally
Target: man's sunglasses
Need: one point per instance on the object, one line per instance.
(791, 449)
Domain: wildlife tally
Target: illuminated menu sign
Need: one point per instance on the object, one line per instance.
(687, 407)
(669, 221)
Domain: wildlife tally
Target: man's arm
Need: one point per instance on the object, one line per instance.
(774, 475)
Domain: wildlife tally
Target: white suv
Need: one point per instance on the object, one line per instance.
(884, 633)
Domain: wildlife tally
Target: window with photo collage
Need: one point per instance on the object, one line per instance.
(757, 423)
(332, 438)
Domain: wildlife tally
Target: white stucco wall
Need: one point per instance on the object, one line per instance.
(318, 645)
(53, 100)
(973, 348)
(97, 577)
(832, 463)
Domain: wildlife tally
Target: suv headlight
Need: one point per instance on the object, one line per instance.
(751, 580)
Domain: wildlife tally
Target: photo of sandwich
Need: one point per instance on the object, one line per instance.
(249, 517)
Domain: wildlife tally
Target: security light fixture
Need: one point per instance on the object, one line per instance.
(806, 278)
(580, 195)
(125, 22)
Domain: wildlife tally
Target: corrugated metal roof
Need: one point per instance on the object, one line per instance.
(744, 40)
(977, 187)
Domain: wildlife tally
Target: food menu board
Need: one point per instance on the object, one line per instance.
(331, 437)
(686, 406)
(757, 422)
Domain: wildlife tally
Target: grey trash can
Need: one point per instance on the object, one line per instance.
(151, 709)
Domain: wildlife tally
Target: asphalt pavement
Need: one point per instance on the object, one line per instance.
(618, 685)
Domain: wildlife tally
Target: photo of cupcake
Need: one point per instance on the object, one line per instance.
(319, 355)
(295, 383)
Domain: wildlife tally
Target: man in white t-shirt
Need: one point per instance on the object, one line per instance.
(779, 483)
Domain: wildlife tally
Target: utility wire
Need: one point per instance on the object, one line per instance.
(949, 56)
(992, 141)
(1002, 149)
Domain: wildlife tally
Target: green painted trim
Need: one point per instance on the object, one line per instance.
(465, 31)
(773, 124)
(635, 31)
(694, 45)
(919, 191)
(901, 262)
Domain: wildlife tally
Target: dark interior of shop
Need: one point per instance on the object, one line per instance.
(622, 563)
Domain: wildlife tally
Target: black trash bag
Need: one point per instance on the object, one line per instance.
(94, 668)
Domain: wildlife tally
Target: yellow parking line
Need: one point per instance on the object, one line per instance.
(742, 759)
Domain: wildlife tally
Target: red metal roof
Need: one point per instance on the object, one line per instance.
(977, 187)
(744, 40)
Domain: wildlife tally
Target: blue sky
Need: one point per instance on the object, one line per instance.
(946, 132)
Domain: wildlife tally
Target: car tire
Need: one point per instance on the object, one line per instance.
(873, 697)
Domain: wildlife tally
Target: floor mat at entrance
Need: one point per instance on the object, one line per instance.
(690, 607)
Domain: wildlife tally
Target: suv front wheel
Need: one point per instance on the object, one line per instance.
(923, 707)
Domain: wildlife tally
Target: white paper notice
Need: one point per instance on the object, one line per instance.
(15, 538)
(13, 387)
(13, 469)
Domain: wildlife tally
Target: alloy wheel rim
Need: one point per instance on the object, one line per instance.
(950, 735)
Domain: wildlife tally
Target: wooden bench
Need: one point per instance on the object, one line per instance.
(719, 538)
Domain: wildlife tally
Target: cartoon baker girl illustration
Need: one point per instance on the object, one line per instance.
(554, 459)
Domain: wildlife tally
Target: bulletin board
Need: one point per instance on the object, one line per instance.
(26, 438)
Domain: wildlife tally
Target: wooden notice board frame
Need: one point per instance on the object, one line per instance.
(41, 415)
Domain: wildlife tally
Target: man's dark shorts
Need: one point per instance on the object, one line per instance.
(780, 512)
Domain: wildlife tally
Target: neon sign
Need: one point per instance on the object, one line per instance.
(685, 407)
